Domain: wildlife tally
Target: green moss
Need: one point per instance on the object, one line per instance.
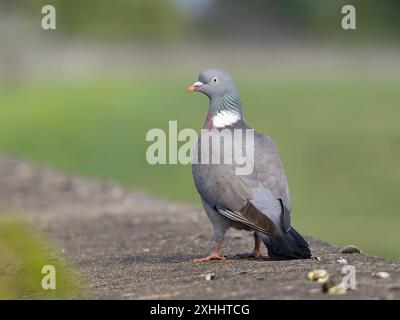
(23, 254)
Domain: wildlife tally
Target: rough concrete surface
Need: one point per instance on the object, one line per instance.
(130, 245)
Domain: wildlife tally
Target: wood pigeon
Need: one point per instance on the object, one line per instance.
(258, 201)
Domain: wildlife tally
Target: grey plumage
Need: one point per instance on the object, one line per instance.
(258, 201)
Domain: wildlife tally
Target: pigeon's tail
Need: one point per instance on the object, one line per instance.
(287, 245)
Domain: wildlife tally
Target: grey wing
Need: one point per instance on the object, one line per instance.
(262, 213)
(270, 173)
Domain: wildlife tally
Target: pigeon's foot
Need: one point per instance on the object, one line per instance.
(212, 256)
(257, 254)
(256, 251)
(215, 255)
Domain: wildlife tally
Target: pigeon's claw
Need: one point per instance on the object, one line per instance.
(215, 255)
(257, 253)
(212, 256)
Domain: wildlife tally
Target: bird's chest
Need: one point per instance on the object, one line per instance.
(226, 146)
(216, 163)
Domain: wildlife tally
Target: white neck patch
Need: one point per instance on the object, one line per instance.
(225, 118)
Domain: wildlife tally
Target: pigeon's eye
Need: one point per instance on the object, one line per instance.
(215, 79)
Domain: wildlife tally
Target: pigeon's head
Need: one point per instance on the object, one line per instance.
(214, 83)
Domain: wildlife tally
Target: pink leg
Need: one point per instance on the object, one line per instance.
(215, 255)
(256, 251)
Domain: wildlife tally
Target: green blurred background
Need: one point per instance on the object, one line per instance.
(82, 97)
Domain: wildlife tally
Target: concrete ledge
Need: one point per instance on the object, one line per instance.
(130, 245)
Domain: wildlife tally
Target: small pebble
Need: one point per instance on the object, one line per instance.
(337, 290)
(342, 261)
(319, 275)
(381, 274)
(146, 249)
(238, 236)
(394, 287)
(351, 249)
(210, 276)
(330, 287)
(327, 285)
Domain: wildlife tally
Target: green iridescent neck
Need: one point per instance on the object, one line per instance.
(227, 103)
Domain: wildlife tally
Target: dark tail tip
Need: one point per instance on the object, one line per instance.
(287, 245)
